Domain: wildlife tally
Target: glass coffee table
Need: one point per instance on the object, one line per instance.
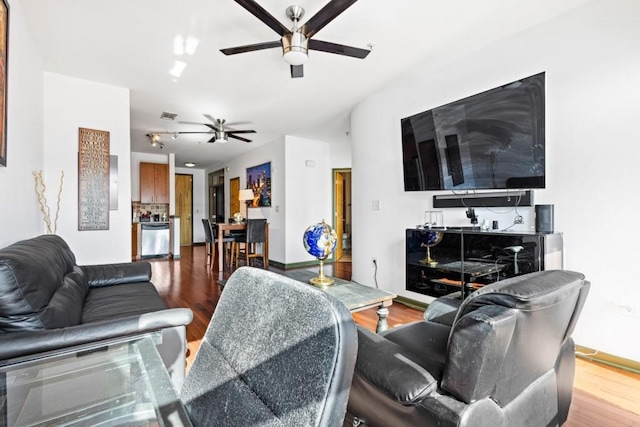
(123, 383)
(354, 296)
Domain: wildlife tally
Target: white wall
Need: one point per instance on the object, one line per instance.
(237, 168)
(308, 190)
(20, 216)
(593, 104)
(69, 104)
(301, 195)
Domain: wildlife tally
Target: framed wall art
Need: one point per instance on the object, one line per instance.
(4, 58)
(93, 179)
(259, 180)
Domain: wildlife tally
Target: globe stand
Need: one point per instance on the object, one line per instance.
(321, 280)
(431, 239)
(428, 260)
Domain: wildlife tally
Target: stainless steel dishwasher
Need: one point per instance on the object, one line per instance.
(155, 239)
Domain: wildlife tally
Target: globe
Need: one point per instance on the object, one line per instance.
(320, 241)
(429, 239)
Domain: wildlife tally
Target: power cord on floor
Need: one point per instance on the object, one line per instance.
(375, 272)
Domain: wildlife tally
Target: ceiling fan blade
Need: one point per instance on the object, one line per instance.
(180, 133)
(251, 47)
(238, 137)
(191, 123)
(325, 15)
(339, 49)
(297, 71)
(212, 140)
(229, 132)
(259, 12)
(211, 118)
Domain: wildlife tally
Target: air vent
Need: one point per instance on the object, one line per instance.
(168, 116)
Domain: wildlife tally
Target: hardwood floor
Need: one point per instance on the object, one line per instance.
(603, 396)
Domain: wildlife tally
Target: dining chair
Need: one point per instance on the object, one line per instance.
(211, 241)
(256, 234)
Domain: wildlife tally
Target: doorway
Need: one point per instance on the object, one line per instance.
(342, 215)
(184, 207)
(234, 192)
(216, 196)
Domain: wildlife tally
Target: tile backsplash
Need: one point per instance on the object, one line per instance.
(155, 208)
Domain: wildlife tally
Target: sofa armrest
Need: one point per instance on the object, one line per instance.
(444, 309)
(19, 344)
(388, 367)
(116, 274)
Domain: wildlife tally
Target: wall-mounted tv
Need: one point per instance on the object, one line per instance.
(492, 140)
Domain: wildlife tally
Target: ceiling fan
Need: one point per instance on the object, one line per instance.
(221, 133)
(296, 42)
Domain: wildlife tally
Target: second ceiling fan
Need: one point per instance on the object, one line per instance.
(220, 132)
(296, 42)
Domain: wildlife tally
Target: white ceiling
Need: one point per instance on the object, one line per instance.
(130, 43)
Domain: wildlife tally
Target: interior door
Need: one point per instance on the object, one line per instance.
(339, 215)
(234, 194)
(184, 207)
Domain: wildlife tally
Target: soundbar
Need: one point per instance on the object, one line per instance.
(482, 200)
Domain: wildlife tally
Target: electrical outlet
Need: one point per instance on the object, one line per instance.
(631, 310)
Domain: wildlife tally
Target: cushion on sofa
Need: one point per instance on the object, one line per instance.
(35, 292)
(102, 303)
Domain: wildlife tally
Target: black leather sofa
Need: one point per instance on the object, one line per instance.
(49, 303)
(502, 357)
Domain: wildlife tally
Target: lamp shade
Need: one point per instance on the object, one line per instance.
(245, 195)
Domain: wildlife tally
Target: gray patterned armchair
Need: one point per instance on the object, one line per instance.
(277, 352)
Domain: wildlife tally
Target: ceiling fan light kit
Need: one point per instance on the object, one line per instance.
(295, 43)
(295, 49)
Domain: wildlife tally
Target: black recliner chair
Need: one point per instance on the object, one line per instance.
(505, 359)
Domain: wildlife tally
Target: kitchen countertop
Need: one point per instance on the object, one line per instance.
(151, 222)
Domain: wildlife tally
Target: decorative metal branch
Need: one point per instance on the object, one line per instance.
(41, 188)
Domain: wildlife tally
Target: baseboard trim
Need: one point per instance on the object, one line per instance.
(593, 355)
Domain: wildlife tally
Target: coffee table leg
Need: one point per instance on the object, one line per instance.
(383, 313)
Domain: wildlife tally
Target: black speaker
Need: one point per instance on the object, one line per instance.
(544, 218)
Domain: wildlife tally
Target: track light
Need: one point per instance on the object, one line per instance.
(154, 139)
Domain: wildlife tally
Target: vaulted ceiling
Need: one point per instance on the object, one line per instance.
(136, 44)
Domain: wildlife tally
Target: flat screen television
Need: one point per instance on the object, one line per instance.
(492, 140)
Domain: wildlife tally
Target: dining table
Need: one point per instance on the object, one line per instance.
(224, 228)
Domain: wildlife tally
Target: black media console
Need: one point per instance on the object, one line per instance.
(472, 258)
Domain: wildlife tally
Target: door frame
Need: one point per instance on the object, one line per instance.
(189, 175)
(334, 173)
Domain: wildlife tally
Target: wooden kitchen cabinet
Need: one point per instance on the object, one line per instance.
(154, 183)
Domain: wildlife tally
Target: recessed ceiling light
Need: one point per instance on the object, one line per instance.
(189, 164)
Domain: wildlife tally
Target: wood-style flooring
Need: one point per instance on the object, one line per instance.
(603, 396)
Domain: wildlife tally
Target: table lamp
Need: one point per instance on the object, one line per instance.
(244, 196)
